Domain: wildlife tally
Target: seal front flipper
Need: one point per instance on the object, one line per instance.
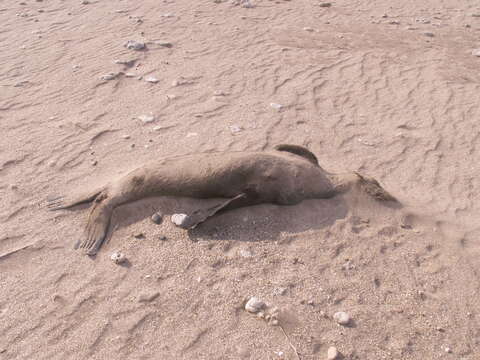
(199, 216)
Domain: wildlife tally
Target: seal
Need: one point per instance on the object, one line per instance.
(286, 175)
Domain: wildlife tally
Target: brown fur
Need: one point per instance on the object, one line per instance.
(285, 176)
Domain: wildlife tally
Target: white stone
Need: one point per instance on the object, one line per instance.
(276, 106)
(151, 79)
(245, 253)
(341, 318)
(476, 52)
(332, 353)
(178, 219)
(235, 129)
(118, 258)
(134, 45)
(146, 119)
(109, 76)
(254, 305)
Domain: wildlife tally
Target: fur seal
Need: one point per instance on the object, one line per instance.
(285, 175)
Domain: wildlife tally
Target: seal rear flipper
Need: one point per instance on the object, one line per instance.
(96, 230)
(199, 216)
(298, 150)
(60, 202)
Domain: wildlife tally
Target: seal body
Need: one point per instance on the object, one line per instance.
(285, 176)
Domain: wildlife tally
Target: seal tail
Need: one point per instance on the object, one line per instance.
(59, 202)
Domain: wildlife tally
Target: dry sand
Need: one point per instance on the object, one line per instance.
(360, 84)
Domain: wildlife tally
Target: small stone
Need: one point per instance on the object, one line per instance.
(134, 45)
(448, 350)
(273, 322)
(139, 235)
(85, 2)
(109, 76)
(310, 302)
(476, 52)
(146, 119)
(475, 15)
(280, 291)
(166, 44)
(245, 253)
(235, 129)
(127, 63)
(325, 4)
(429, 34)
(157, 218)
(148, 297)
(118, 257)
(261, 315)
(276, 106)
(94, 162)
(309, 29)
(254, 305)
(126, 137)
(130, 75)
(332, 353)
(178, 219)
(341, 318)
(163, 238)
(151, 79)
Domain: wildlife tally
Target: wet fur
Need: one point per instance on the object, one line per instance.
(285, 176)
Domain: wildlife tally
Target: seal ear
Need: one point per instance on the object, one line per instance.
(298, 150)
(374, 189)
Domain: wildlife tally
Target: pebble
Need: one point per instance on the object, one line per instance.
(127, 63)
(332, 353)
(151, 79)
(341, 318)
(125, 137)
(476, 52)
(309, 29)
(166, 44)
(109, 76)
(325, 4)
(280, 291)
(146, 119)
(235, 129)
(178, 219)
(94, 163)
(448, 350)
(254, 305)
(157, 218)
(130, 75)
(148, 297)
(139, 235)
(276, 106)
(476, 15)
(134, 45)
(118, 257)
(245, 253)
(429, 34)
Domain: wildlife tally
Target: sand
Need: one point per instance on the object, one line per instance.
(363, 84)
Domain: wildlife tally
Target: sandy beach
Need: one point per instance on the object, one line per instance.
(89, 90)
